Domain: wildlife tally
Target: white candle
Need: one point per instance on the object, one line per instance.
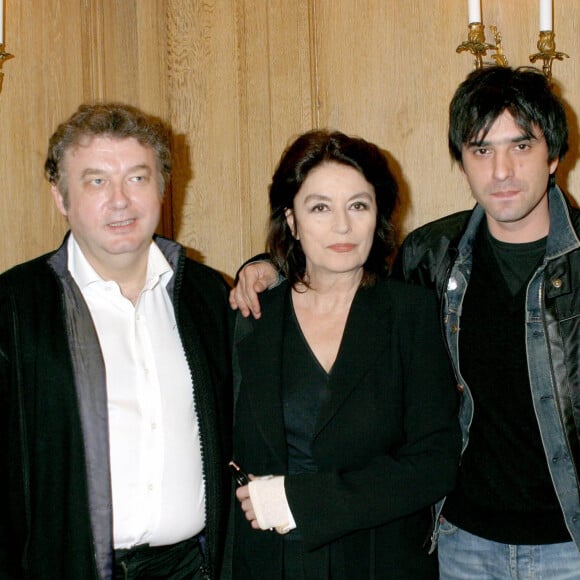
(545, 15)
(474, 10)
(1, 22)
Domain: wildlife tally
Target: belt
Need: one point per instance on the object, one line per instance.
(144, 555)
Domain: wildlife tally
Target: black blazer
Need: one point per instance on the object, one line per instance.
(386, 444)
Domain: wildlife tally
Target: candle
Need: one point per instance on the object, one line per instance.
(545, 15)
(474, 10)
(1, 22)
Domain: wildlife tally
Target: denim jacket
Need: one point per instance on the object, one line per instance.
(439, 255)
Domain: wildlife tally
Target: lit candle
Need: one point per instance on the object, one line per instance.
(1, 22)
(545, 15)
(474, 10)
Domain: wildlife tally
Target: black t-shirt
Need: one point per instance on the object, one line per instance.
(504, 490)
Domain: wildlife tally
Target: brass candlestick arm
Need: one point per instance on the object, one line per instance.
(3, 56)
(499, 57)
(475, 43)
(547, 52)
(477, 46)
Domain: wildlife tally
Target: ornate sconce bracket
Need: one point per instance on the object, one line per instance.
(547, 52)
(3, 56)
(477, 46)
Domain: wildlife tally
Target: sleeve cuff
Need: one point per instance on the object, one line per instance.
(271, 505)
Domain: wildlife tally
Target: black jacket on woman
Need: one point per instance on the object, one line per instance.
(386, 444)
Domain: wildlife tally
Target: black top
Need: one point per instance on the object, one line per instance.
(303, 383)
(516, 262)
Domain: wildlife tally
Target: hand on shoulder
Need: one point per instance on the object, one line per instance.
(252, 279)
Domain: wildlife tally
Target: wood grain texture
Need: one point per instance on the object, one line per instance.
(385, 70)
(66, 52)
(238, 79)
(275, 101)
(204, 110)
(42, 85)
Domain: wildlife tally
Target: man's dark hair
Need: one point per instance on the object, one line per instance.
(524, 92)
(307, 152)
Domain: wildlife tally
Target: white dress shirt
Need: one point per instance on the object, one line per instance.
(156, 468)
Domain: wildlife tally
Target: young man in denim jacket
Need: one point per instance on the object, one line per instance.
(508, 277)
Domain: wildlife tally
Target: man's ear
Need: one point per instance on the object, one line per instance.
(289, 213)
(58, 199)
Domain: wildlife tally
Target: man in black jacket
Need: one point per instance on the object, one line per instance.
(508, 277)
(114, 375)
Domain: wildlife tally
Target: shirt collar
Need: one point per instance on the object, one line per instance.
(562, 237)
(158, 268)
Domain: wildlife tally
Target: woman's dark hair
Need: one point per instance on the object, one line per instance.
(115, 120)
(307, 152)
(523, 92)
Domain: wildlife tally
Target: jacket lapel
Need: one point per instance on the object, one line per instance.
(260, 360)
(365, 337)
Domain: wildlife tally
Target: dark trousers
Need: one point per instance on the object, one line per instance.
(181, 561)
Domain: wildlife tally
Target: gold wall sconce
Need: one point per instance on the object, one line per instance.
(478, 47)
(547, 52)
(3, 54)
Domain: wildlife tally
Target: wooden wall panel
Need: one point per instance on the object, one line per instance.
(238, 79)
(240, 86)
(392, 79)
(40, 88)
(66, 52)
(382, 69)
(203, 88)
(275, 103)
(123, 47)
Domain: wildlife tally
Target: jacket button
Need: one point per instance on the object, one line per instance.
(460, 388)
(557, 283)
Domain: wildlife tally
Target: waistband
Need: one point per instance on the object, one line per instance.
(147, 549)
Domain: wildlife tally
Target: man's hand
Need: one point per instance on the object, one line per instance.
(252, 279)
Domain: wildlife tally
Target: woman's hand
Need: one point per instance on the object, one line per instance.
(243, 495)
(265, 505)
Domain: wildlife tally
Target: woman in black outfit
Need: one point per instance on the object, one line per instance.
(346, 410)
